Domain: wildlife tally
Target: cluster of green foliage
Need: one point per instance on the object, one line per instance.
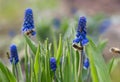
(37, 67)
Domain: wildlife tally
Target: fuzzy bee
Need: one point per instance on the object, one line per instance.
(77, 47)
(115, 50)
(30, 32)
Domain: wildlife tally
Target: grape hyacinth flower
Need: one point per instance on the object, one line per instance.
(56, 22)
(28, 24)
(12, 33)
(86, 63)
(74, 10)
(81, 32)
(82, 40)
(13, 54)
(53, 65)
(104, 25)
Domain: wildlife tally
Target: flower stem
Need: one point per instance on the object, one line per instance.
(14, 70)
(17, 73)
(88, 77)
(55, 78)
(82, 56)
(61, 72)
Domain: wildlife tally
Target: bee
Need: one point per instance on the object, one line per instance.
(29, 32)
(8, 55)
(115, 50)
(77, 47)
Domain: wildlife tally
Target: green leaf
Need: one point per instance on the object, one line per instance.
(26, 65)
(31, 44)
(37, 62)
(66, 71)
(101, 45)
(47, 59)
(98, 66)
(77, 63)
(92, 65)
(110, 65)
(7, 73)
(67, 68)
(18, 72)
(3, 77)
(59, 50)
(32, 70)
(43, 76)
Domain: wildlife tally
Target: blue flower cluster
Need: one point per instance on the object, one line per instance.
(28, 25)
(13, 54)
(82, 39)
(86, 63)
(81, 32)
(104, 25)
(53, 65)
(56, 22)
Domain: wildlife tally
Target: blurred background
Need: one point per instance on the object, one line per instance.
(59, 16)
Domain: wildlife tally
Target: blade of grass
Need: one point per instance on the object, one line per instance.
(37, 62)
(6, 71)
(59, 50)
(110, 65)
(31, 44)
(92, 66)
(27, 69)
(3, 77)
(98, 61)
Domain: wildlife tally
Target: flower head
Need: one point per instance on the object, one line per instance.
(73, 10)
(81, 32)
(104, 25)
(56, 22)
(86, 63)
(28, 24)
(13, 54)
(53, 65)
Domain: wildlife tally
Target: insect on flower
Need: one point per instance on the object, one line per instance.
(30, 32)
(28, 24)
(81, 34)
(77, 47)
(115, 50)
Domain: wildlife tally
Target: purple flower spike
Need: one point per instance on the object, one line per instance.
(53, 65)
(28, 24)
(13, 54)
(86, 63)
(81, 32)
